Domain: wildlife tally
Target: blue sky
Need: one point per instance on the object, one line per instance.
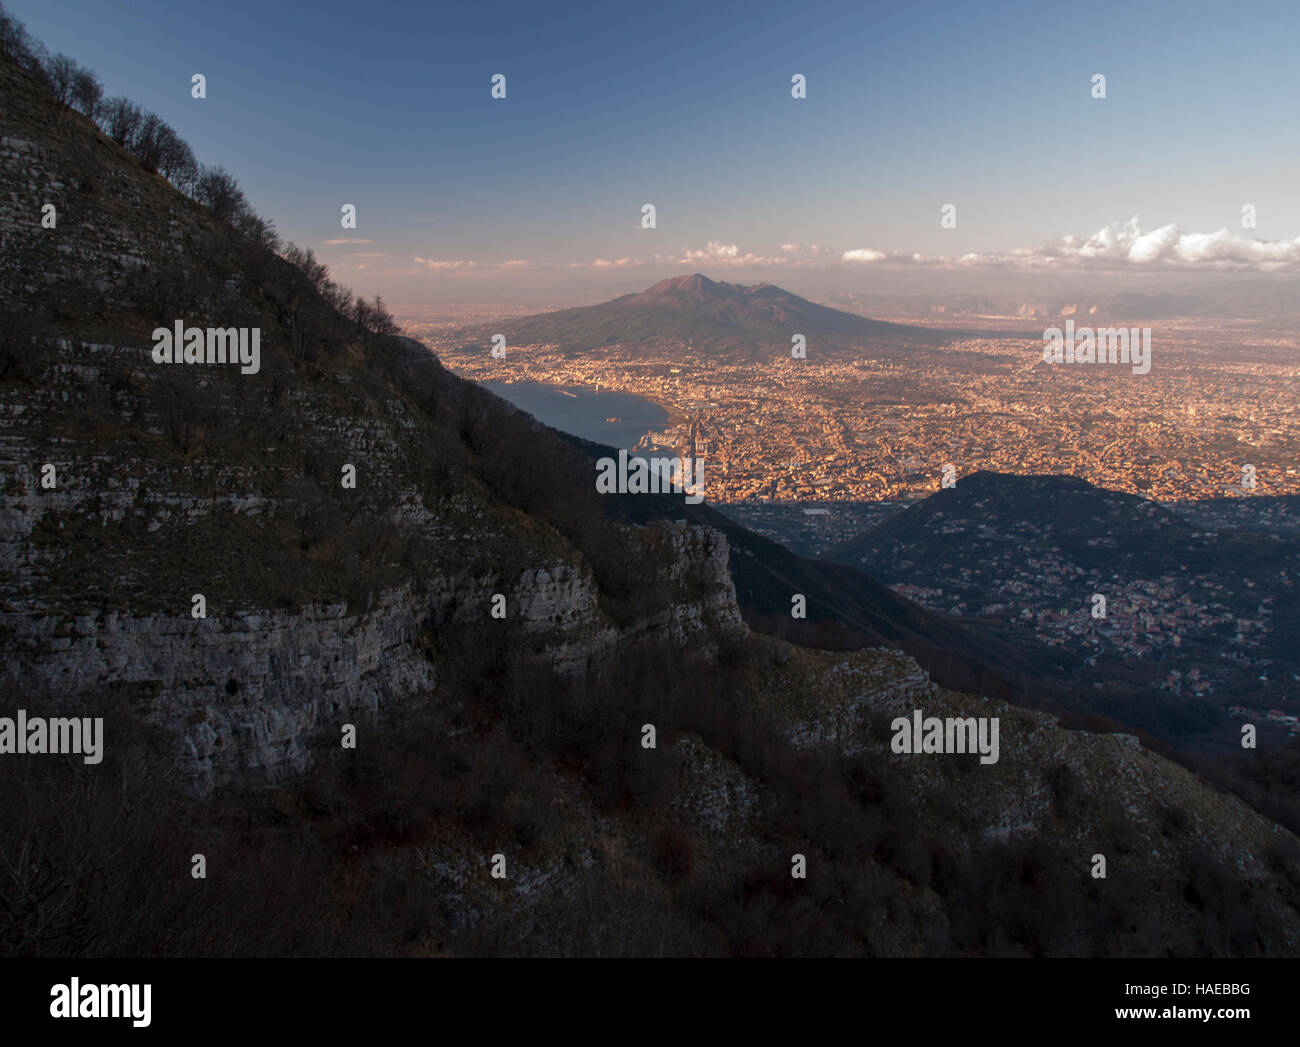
(687, 106)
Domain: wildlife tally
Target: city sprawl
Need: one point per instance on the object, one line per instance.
(848, 424)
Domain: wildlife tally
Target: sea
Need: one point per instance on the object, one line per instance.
(582, 411)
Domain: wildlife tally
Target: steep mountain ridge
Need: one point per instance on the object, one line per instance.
(172, 481)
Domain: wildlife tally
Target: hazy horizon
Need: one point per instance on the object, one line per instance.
(537, 198)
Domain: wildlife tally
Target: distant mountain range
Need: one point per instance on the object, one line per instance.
(695, 308)
(1273, 303)
(714, 313)
(1242, 299)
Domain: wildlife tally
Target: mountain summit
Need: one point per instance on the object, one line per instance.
(696, 308)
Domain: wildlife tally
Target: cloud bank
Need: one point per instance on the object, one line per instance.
(1121, 245)
(1116, 247)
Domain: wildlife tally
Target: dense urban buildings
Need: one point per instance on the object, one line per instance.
(846, 424)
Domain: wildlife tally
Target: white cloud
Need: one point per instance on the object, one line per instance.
(718, 255)
(814, 250)
(715, 254)
(443, 267)
(1120, 245)
(864, 254)
(714, 251)
(468, 267)
(608, 263)
(335, 243)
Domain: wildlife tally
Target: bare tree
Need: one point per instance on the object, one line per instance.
(217, 190)
(339, 297)
(19, 45)
(62, 73)
(363, 313)
(147, 146)
(120, 118)
(14, 40)
(13, 37)
(87, 92)
(304, 260)
(383, 322)
(176, 160)
(258, 229)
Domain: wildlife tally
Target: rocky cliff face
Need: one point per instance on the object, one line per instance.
(101, 556)
(253, 694)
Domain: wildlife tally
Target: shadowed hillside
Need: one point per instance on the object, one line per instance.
(1199, 606)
